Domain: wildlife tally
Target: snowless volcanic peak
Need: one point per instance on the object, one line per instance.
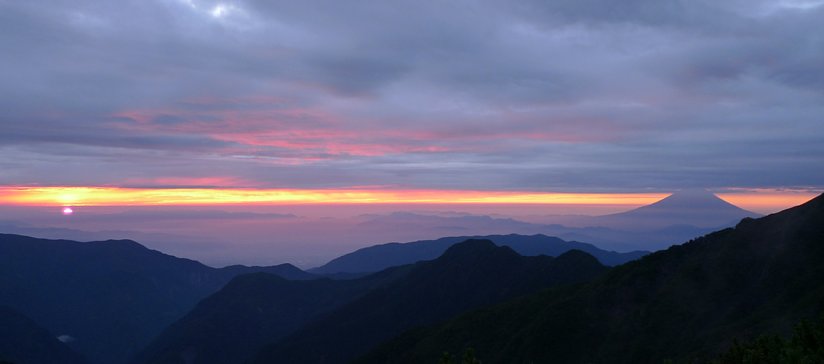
(694, 199)
(695, 207)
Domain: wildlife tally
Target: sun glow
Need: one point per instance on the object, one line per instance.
(113, 196)
(768, 202)
(219, 11)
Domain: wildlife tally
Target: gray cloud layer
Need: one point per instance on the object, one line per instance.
(538, 95)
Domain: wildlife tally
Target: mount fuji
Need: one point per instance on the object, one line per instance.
(693, 207)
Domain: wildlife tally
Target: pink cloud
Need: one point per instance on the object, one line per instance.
(262, 125)
(309, 131)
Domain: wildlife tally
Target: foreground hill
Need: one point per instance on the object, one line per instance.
(378, 257)
(468, 275)
(110, 297)
(251, 311)
(22, 341)
(350, 316)
(687, 302)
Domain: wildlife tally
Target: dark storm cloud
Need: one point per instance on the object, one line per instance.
(543, 95)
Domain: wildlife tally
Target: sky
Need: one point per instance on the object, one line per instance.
(537, 103)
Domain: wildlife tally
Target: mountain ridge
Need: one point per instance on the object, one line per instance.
(683, 214)
(685, 303)
(112, 296)
(250, 310)
(381, 256)
(470, 274)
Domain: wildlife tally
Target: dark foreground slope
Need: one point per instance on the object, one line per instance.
(111, 297)
(378, 257)
(468, 275)
(689, 301)
(251, 311)
(22, 341)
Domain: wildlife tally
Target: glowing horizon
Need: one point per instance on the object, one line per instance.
(117, 196)
(120, 196)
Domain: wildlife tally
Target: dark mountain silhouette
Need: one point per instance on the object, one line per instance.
(285, 270)
(251, 311)
(112, 296)
(468, 275)
(378, 257)
(22, 341)
(688, 302)
(805, 346)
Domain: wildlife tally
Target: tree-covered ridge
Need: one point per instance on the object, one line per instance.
(111, 296)
(806, 346)
(251, 311)
(471, 274)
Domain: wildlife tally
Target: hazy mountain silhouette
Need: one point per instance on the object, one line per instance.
(111, 296)
(377, 257)
(22, 341)
(251, 311)
(691, 207)
(468, 275)
(679, 217)
(688, 302)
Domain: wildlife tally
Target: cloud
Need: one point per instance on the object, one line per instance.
(66, 338)
(562, 95)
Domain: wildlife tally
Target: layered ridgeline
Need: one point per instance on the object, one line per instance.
(688, 302)
(22, 341)
(253, 310)
(378, 257)
(107, 299)
(341, 319)
(468, 275)
(673, 220)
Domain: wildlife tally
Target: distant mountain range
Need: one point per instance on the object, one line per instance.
(677, 218)
(379, 257)
(109, 298)
(689, 214)
(686, 303)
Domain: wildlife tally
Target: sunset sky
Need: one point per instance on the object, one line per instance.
(534, 103)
